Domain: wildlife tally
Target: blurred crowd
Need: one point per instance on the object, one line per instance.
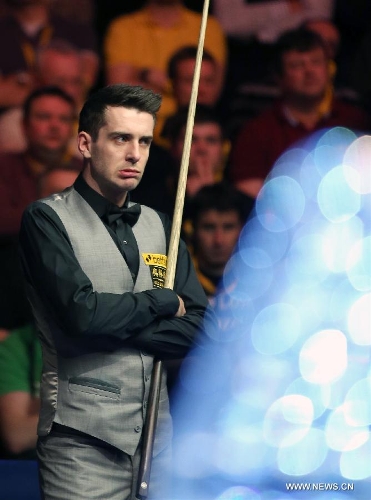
(273, 72)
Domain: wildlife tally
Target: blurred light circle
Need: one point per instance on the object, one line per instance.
(356, 464)
(338, 241)
(316, 393)
(280, 204)
(304, 456)
(336, 200)
(243, 282)
(359, 320)
(305, 262)
(275, 328)
(288, 420)
(317, 362)
(341, 435)
(357, 164)
(359, 264)
(239, 493)
(358, 399)
(253, 235)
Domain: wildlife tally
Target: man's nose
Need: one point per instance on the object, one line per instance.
(218, 237)
(133, 153)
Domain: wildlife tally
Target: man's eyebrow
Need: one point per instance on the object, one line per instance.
(129, 134)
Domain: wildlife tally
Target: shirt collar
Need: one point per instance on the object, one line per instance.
(98, 203)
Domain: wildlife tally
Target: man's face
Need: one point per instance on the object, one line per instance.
(208, 89)
(216, 235)
(206, 147)
(49, 126)
(64, 71)
(305, 74)
(117, 159)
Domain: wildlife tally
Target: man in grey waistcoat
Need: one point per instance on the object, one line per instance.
(95, 265)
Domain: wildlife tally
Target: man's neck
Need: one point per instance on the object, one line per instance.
(39, 162)
(304, 111)
(32, 17)
(163, 14)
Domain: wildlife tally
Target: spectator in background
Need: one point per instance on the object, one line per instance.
(29, 26)
(304, 76)
(49, 115)
(57, 64)
(258, 25)
(181, 70)
(138, 47)
(207, 156)
(217, 213)
(21, 363)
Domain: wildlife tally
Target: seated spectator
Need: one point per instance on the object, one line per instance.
(48, 123)
(138, 47)
(21, 363)
(218, 213)
(341, 79)
(208, 149)
(181, 70)
(304, 77)
(49, 115)
(57, 64)
(29, 26)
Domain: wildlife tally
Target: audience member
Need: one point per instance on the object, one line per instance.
(258, 25)
(48, 122)
(21, 362)
(181, 70)
(57, 64)
(208, 148)
(48, 125)
(217, 213)
(29, 26)
(138, 47)
(342, 83)
(304, 78)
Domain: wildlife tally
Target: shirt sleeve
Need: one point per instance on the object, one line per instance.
(53, 271)
(172, 337)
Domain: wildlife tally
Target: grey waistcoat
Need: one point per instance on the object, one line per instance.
(101, 393)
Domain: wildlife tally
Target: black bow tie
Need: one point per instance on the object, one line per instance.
(128, 214)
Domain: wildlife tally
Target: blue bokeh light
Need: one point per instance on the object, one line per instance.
(280, 393)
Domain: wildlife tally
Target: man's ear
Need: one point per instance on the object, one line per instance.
(84, 144)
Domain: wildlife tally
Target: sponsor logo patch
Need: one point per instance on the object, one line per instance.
(157, 264)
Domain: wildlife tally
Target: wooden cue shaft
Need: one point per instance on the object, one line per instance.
(154, 396)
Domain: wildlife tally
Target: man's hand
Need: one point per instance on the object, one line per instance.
(201, 173)
(181, 311)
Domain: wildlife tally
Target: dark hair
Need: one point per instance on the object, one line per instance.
(301, 40)
(175, 123)
(221, 197)
(92, 115)
(52, 91)
(183, 54)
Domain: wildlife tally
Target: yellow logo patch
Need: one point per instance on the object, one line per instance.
(157, 264)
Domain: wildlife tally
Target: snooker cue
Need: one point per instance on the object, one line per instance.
(154, 395)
